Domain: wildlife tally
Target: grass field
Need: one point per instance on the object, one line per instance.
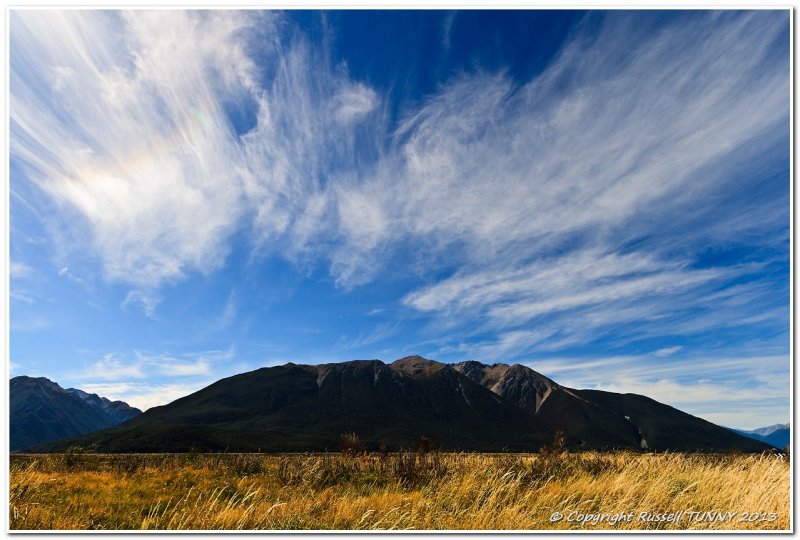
(399, 491)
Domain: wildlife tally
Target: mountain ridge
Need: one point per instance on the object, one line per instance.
(778, 435)
(41, 411)
(466, 406)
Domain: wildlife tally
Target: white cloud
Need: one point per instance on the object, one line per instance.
(215, 355)
(148, 302)
(65, 272)
(119, 117)
(379, 333)
(363, 226)
(580, 296)
(353, 102)
(183, 369)
(668, 351)
(553, 284)
(146, 379)
(683, 394)
(18, 270)
(144, 395)
(447, 29)
(182, 365)
(113, 369)
(21, 296)
(305, 159)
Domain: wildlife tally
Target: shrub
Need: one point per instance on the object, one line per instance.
(73, 457)
(350, 444)
(557, 446)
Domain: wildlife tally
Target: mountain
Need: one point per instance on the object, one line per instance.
(117, 411)
(765, 431)
(467, 406)
(778, 435)
(41, 411)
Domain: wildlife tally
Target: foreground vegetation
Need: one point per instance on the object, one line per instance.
(421, 490)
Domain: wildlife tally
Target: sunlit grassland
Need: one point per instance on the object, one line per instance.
(420, 491)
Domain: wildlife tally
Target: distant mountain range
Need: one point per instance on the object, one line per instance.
(778, 435)
(41, 412)
(466, 406)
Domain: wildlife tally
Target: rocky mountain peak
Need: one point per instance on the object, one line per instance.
(415, 366)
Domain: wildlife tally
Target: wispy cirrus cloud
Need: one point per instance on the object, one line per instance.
(379, 333)
(154, 163)
(668, 351)
(162, 175)
(544, 191)
(111, 367)
(136, 141)
(116, 366)
(585, 296)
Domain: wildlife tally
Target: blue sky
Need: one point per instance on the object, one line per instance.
(603, 196)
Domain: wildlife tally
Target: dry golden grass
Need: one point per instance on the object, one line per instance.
(395, 491)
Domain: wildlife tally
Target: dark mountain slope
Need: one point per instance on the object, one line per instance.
(467, 406)
(41, 411)
(665, 428)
